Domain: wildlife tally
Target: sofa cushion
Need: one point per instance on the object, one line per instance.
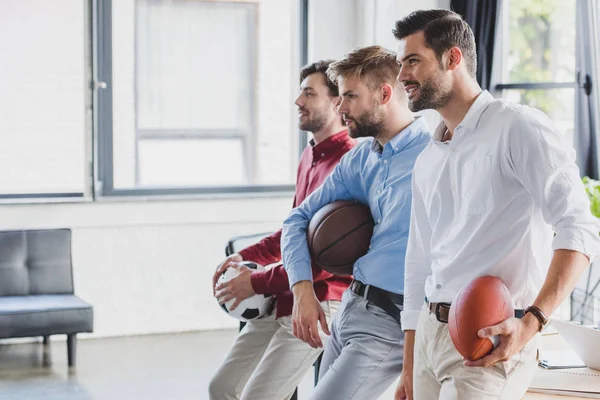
(39, 315)
(35, 262)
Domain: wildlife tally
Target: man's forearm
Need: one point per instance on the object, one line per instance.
(564, 272)
(409, 350)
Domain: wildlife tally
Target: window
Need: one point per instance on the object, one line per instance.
(43, 126)
(536, 58)
(199, 96)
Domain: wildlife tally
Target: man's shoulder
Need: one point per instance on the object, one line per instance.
(507, 112)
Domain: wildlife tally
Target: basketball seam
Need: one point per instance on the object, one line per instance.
(338, 241)
(323, 219)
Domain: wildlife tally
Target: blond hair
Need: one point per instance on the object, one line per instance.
(374, 64)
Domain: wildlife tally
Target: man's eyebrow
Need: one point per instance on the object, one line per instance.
(346, 93)
(307, 88)
(409, 56)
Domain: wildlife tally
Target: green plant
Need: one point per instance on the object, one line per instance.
(592, 188)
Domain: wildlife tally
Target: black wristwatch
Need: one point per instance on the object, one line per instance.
(539, 314)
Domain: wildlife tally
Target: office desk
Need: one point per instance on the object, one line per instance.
(552, 342)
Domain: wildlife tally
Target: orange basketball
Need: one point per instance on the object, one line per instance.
(484, 302)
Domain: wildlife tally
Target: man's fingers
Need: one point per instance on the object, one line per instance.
(314, 334)
(220, 269)
(491, 359)
(500, 329)
(323, 321)
(294, 328)
(302, 332)
(225, 298)
(235, 265)
(234, 305)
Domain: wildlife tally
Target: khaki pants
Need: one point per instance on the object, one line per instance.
(267, 361)
(439, 372)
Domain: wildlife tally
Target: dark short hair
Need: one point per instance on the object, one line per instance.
(375, 64)
(321, 68)
(443, 29)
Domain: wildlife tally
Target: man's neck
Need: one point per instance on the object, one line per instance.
(463, 98)
(328, 131)
(398, 121)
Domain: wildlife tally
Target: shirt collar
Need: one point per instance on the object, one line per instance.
(404, 137)
(472, 117)
(331, 142)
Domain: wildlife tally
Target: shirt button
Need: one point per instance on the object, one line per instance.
(314, 164)
(385, 161)
(378, 191)
(396, 149)
(438, 286)
(379, 221)
(322, 154)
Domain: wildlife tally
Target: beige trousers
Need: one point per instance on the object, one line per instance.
(439, 372)
(266, 361)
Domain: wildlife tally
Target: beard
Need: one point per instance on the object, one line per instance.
(313, 123)
(369, 124)
(433, 94)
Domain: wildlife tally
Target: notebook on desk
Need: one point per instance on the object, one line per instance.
(580, 382)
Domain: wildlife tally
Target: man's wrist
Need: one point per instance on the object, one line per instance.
(537, 315)
(301, 287)
(532, 325)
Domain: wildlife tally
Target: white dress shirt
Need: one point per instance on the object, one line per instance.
(489, 201)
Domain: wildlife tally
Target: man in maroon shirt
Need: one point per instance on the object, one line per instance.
(267, 361)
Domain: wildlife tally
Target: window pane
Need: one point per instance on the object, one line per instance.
(42, 97)
(541, 37)
(185, 81)
(203, 71)
(558, 104)
(191, 163)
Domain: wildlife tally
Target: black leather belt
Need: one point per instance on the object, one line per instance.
(441, 311)
(388, 301)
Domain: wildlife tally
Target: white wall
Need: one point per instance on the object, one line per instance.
(146, 266)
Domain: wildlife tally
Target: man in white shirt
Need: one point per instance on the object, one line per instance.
(489, 192)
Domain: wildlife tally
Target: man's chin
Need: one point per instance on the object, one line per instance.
(415, 106)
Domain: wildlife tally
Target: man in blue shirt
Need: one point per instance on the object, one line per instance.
(363, 355)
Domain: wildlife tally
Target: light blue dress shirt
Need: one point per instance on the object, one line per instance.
(374, 176)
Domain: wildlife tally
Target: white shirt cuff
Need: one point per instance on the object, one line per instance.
(409, 319)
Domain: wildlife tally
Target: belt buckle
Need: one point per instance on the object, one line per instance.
(437, 313)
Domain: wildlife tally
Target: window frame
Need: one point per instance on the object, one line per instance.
(498, 85)
(103, 185)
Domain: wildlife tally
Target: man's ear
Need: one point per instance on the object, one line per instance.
(454, 58)
(386, 93)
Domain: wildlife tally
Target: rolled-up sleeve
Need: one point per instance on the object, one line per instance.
(418, 260)
(545, 165)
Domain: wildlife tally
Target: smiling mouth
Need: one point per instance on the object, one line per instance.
(412, 90)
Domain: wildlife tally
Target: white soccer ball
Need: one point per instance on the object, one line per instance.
(253, 307)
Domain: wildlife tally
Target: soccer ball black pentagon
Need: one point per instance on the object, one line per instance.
(253, 307)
